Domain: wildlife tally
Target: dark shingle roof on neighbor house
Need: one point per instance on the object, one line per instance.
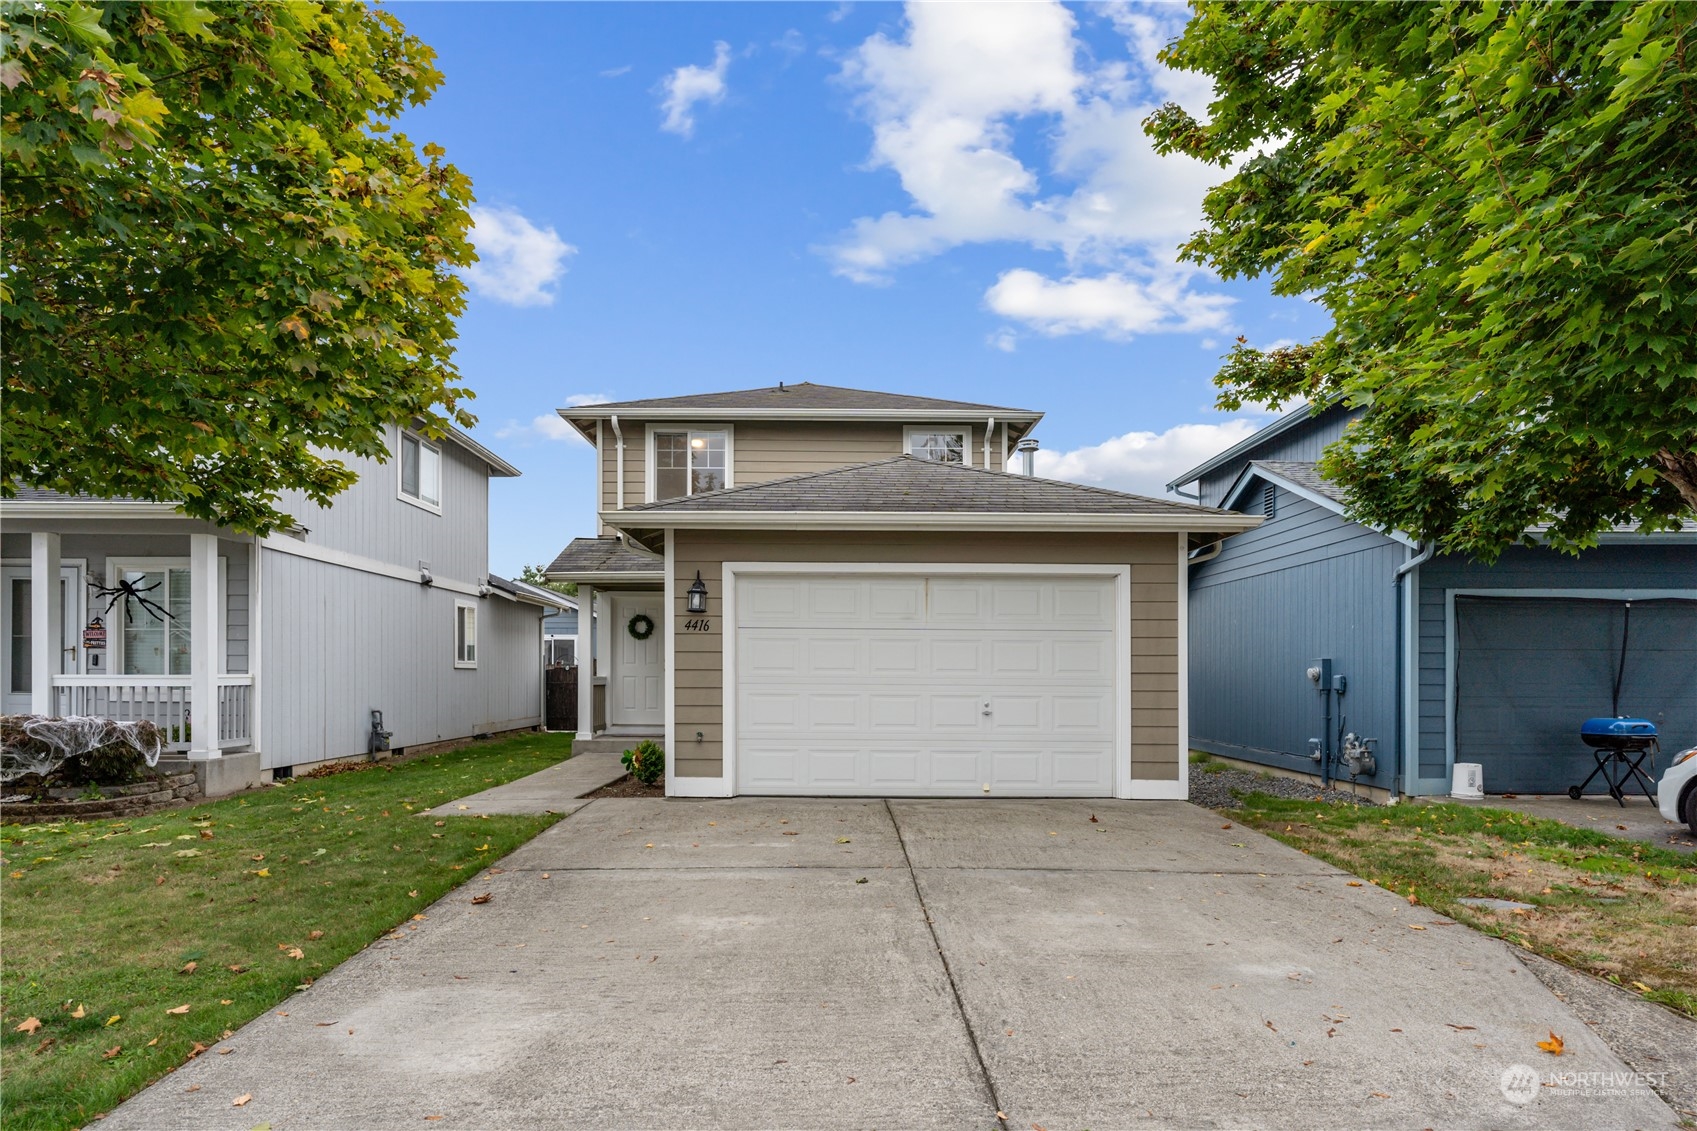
(907, 485)
(604, 555)
(803, 397)
(1304, 475)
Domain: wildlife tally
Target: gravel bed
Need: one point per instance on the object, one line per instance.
(1216, 790)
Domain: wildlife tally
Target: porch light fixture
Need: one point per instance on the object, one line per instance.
(697, 596)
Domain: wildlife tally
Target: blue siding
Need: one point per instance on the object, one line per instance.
(561, 624)
(1307, 583)
(1641, 566)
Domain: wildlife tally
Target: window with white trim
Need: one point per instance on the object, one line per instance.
(942, 445)
(465, 634)
(421, 472)
(688, 463)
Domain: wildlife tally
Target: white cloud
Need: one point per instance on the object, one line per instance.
(578, 400)
(791, 43)
(1143, 462)
(548, 426)
(1112, 305)
(944, 102)
(517, 261)
(615, 72)
(689, 85)
(1004, 339)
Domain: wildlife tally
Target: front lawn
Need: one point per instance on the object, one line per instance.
(1620, 909)
(138, 944)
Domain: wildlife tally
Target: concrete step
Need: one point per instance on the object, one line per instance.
(614, 743)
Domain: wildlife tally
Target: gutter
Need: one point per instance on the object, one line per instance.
(1407, 567)
(619, 462)
(989, 429)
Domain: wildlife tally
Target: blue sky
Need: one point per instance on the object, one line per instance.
(949, 200)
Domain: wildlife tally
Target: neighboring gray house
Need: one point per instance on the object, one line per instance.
(1445, 660)
(382, 601)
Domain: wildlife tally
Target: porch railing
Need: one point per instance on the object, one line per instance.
(163, 701)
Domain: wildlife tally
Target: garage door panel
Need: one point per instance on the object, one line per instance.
(926, 686)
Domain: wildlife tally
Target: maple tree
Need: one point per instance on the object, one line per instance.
(222, 264)
(1497, 204)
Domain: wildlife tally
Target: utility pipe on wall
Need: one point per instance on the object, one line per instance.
(989, 430)
(618, 463)
(1414, 560)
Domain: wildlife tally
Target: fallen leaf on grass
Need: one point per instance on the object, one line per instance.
(264, 873)
(1355, 883)
(188, 852)
(29, 1025)
(295, 952)
(114, 1019)
(179, 1010)
(1639, 986)
(484, 898)
(82, 1011)
(236, 968)
(314, 936)
(153, 1042)
(196, 1050)
(241, 1100)
(420, 916)
(111, 1052)
(189, 968)
(45, 1045)
(1553, 1046)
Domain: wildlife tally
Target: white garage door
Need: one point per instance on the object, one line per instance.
(925, 686)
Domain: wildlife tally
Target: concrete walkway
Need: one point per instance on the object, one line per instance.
(558, 789)
(758, 963)
(1638, 819)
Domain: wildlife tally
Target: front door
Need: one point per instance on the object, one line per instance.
(635, 689)
(16, 677)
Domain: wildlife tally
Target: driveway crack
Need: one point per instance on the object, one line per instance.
(948, 973)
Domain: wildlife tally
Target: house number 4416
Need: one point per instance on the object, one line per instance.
(698, 624)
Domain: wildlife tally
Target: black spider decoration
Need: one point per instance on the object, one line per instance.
(123, 591)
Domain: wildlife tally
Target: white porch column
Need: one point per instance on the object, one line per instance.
(204, 645)
(46, 622)
(585, 661)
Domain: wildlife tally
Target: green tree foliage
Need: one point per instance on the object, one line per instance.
(222, 265)
(1497, 204)
(537, 575)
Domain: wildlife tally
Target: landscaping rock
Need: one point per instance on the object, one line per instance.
(1219, 789)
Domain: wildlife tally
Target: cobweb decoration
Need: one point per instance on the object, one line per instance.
(59, 739)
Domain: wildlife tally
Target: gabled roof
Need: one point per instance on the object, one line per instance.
(803, 396)
(593, 558)
(1295, 418)
(1299, 475)
(905, 492)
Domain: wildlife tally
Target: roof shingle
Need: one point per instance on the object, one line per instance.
(1303, 475)
(604, 555)
(802, 397)
(904, 484)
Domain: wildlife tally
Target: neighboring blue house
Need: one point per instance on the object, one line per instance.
(1443, 660)
(559, 635)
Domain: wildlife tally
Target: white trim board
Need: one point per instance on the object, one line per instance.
(1125, 786)
(1224, 522)
(325, 554)
(1449, 637)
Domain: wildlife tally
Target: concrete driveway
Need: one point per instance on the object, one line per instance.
(839, 964)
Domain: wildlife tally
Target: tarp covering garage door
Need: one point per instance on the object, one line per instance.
(1530, 670)
(925, 686)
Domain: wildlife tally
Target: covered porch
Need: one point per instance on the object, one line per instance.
(154, 618)
(621, 641)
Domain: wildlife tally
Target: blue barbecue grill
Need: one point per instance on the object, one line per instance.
(1620, 747)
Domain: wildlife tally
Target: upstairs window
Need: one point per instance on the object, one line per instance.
(943, 445)
(689, 463)
(421, 472)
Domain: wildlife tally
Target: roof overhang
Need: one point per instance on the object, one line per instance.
(1253, 471)
(90, 508)
(497, 465)
(585, 417)
(1292, 419)
(613, 578)
(648, 527)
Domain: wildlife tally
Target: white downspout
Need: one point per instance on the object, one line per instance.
(989, 430)
(619, 463)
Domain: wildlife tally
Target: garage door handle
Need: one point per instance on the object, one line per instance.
(986, 707)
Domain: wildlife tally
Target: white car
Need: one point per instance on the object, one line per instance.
(1676, 796)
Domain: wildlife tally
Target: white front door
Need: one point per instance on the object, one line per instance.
(925, 686)
(15, 663)
(635, 687)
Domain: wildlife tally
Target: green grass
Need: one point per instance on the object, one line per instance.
(101, 917)
(1621, 909)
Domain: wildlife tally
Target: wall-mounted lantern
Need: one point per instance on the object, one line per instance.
(696, 599)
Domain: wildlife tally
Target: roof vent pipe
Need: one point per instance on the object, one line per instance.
(1027, 449)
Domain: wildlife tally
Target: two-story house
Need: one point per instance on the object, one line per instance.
(263, 656)
(812, 590)
(1439, 658)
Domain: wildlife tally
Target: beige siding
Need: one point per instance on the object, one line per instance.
(763, 452)
(1153, 558)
